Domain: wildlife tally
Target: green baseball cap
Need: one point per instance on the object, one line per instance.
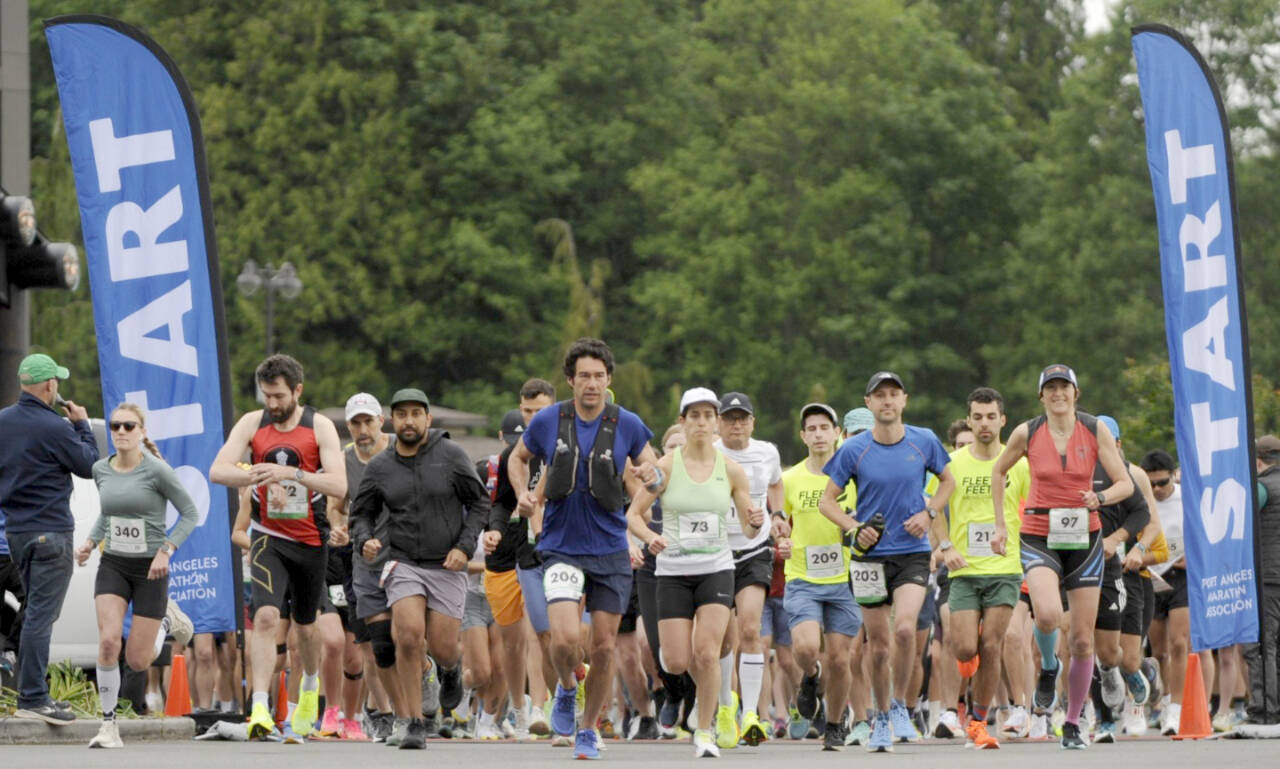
(410, 395)
(38, 368)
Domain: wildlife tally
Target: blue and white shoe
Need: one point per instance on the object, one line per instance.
(563, 711)
(903, 729)
(881, 735)
(289, 736)
(586, 746)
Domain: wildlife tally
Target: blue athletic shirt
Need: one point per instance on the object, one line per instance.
(577, 525)
(890, 480)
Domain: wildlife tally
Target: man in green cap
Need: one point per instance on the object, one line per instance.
(436, 508)
(39, 452)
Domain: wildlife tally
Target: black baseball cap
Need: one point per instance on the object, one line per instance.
(880, 377)
(738, 401)
(818, 408)
(512, 426)
(1057, 371)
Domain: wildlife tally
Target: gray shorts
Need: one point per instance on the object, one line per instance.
(445, 591)
(370, 599)
(476, 613)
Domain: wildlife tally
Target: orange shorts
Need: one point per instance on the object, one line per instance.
(502, 588)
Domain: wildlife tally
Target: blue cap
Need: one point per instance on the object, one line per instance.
(1112, 425)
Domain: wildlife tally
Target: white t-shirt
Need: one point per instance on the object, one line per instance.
(763, 466)
(1170, 511)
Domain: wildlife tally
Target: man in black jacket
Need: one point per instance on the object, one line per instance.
(39, 452)
(436, 508)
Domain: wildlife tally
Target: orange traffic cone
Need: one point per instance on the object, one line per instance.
(1195, 723)
(282, 700)
(178, 703)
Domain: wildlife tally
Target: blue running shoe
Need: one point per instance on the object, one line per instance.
(289, 736)
(881, 735)
(563, 711)
(585, 747)
(903, 729)
(798, 728)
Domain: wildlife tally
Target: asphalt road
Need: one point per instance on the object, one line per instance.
(1162, 753)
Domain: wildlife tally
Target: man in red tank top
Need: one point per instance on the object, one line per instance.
(296, 461)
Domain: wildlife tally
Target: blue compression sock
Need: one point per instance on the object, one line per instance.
(1048, 643)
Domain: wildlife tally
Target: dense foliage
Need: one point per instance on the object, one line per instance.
(774, 197)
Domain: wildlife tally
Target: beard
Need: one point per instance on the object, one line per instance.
(409, 436)
(283, 413)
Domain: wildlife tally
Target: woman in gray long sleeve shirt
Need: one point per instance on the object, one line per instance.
(135, 486)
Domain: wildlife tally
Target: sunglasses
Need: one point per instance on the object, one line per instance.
(128, 427)
(1161, 484)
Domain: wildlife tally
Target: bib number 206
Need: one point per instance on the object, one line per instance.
(563, 582)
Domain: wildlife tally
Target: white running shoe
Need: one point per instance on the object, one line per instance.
(108, 736)
(948, 726)
(1135, 719)
(1039, 727)
(1171, 719)
(1113, 688)
(487, 729)
(1017, 724)
(704, 745)
(180, 626)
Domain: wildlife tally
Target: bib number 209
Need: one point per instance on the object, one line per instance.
(563, 582)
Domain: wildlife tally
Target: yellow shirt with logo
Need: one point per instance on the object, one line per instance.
(814, 539)
(972, 511)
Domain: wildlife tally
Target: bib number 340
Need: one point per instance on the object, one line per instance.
(563, 582)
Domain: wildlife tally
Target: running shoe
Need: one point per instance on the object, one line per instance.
(752, 730)
(261, 725)
(834, 737)
(587, 745)
(860, 734)
(538, 722)
(809, 694)
(305, 715)
(1151, 672)
(1171, 719)
(727, 726)
(108, 736)
(1106, 732)
(704, 745)
(799, 726)
(607, 730)
(350, 730)
(290, 735)
(668, 715)
(977, 734)
(563, 712)
(331, 724)
(1017, 723)
(179, 624)
(415, 735)
(646, 729)
(948, 725)
(580, 695)
(430, 689)
(780, 727)
(1071, 739)
(903, 729)
(1225, 721)
(487, 729)
(1135, 720)
(1039, 727)
(450, 686)
(398, 729)
(1112, 686)
(918, 718)
(881, 740)
(1138, 687)
(1046, 695)
(519, 723)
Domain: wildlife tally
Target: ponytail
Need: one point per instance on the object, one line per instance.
(151, 446)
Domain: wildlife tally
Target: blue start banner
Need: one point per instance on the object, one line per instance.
(1189, 154)
(141, 181)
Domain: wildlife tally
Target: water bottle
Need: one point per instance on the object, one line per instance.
(875, 522)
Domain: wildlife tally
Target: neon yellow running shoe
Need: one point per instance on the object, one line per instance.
(304, 716)
(261, 725)
(727, 726)
(752, 730)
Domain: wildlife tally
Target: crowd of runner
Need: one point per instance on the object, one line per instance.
(590, 582)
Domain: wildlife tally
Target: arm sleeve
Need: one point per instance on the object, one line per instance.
(365, 507)
(168, 484)
(76, 450)
(1137, 515)
(474, 498)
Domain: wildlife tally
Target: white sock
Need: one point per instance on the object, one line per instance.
(292, 707)
(726, 679)
(463, 710)
(310, 681)
(226, 706)
(260, 698)
(109, 689)
(160, 634)
(751, 676)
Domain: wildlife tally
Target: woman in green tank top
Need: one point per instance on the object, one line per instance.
(694, 561)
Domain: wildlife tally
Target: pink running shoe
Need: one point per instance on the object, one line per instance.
(351, 731)
(330, 725)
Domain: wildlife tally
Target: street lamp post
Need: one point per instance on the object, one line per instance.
(283, 280)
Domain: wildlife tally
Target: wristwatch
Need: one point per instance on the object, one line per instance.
(298, 475)
(932, 513)
(1101, 499)
(945, 545)
(168, 548)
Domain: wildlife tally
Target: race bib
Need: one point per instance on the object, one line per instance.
(297, 502)
(732, 523)
(823, 561)
(1068, 528)
(337, 596)
(980, 535)
(128, 536)
(563, 582)
(699, 532)
(869, 584)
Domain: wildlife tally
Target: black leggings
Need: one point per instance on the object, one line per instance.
(677, 687)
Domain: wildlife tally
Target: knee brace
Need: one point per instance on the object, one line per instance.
(384, 650)
(282, 649)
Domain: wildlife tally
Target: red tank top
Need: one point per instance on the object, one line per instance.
(295, 448)
(1057, 479)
